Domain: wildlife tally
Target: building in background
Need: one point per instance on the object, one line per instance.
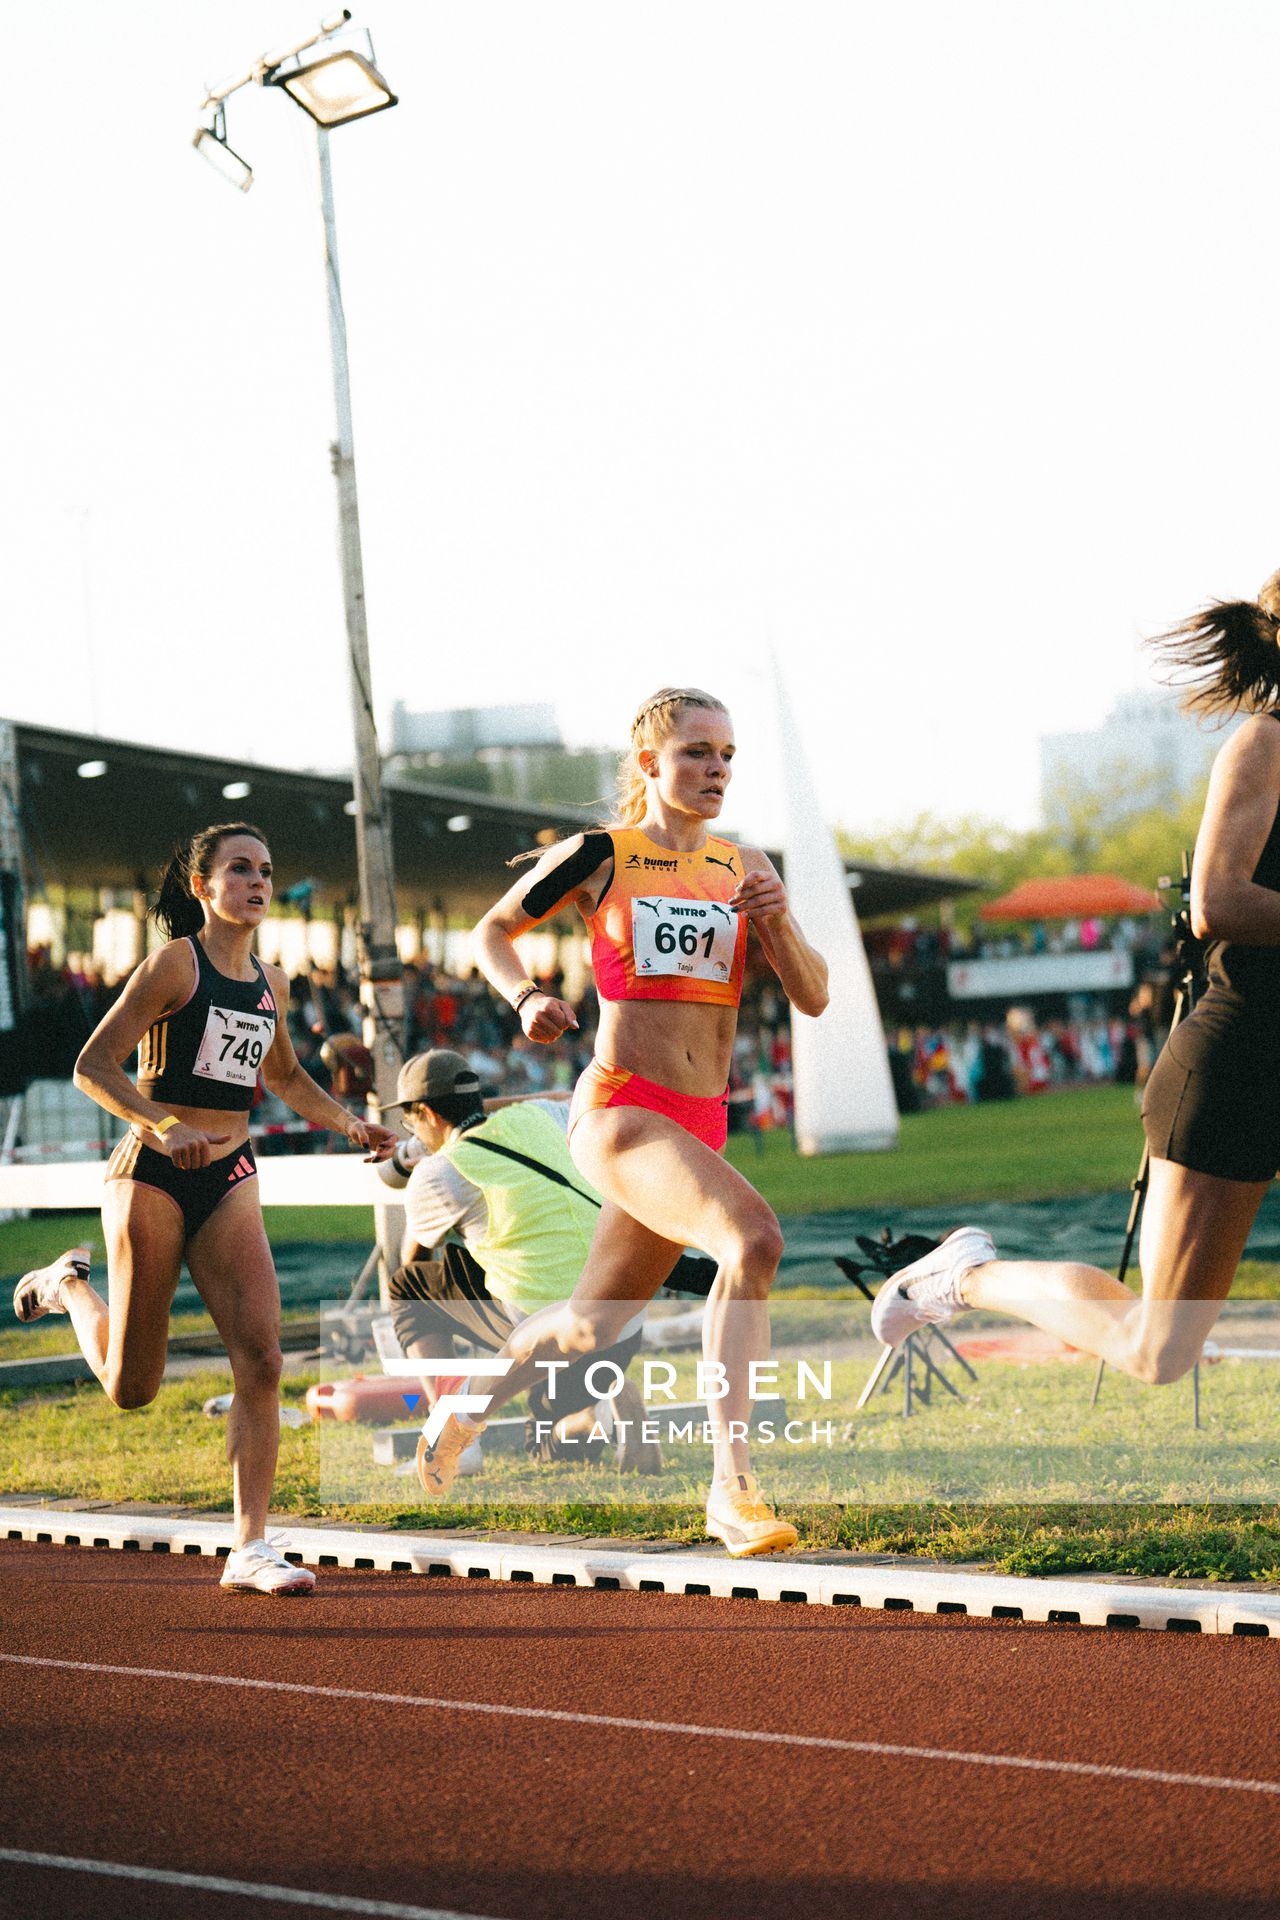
(515, 753)
(1146, 753)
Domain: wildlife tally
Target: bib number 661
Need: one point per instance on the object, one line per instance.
(666, 938)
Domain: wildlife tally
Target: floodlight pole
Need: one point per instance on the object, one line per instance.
(381, 974)
(381, 990)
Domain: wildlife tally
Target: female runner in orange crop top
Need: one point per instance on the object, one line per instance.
(667, 904)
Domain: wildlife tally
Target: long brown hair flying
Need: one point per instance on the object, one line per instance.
(1227, 655)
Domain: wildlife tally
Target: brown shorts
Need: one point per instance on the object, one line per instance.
(1213, 1104)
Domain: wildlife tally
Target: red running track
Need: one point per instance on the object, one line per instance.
(548, 1813)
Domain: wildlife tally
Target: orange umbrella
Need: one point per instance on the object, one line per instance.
(1072, 896)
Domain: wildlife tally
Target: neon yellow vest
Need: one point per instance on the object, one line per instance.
(536, 1242)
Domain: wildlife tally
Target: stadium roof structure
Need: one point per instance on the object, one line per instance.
(451, 845)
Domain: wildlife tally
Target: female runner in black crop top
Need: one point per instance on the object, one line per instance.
(206, 1017)
(1212, 1104)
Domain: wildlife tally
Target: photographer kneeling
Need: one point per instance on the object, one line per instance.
(498, 1173)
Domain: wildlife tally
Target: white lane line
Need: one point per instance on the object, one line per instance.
(246, 1889)
(1088, 1769)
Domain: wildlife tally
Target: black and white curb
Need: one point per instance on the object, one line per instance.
(830, 1583)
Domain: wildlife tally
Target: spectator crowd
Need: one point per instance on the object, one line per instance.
(934, 1061)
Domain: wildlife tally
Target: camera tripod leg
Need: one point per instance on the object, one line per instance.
(1138, 1188)
(934, 1372)
(956, 1355)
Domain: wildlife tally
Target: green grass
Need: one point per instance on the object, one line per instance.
(1084, 1140)
(40, 1238)
(1009, 1480)
(1025, 1433)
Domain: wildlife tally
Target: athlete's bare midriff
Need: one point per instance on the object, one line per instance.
(680, 1044)
(211, 1120)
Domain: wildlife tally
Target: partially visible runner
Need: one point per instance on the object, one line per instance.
(667, 904)
(1211, 1107)
(206, 1017)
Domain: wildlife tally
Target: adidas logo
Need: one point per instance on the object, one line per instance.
(241, 1170)
(266, 1004)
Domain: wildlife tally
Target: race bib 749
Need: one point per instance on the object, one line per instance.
(234, 1046)
(695, 939)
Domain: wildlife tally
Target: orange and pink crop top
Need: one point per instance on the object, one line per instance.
(662, 929)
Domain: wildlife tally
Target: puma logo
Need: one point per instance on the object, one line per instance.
(726, 864)
(718, 909)
(647, 903)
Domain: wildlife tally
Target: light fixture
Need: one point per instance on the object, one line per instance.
(336, 80)
(91, 769)
(458, 822)
(211, 143)
(237, 790)
(350, 807)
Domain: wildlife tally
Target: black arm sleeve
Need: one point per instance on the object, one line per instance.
(546, 894)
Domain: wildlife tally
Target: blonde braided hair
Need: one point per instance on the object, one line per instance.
(652, 726)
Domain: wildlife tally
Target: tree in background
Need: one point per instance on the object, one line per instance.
(1110, 827)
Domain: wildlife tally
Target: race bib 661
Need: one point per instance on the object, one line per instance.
(234, 1046)
(692, 938)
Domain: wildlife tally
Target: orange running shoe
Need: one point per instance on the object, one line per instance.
(738, 1514)
(438, 1463)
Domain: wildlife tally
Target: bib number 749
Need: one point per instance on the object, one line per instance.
(233, 1046)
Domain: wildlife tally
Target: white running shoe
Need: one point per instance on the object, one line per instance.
(258, 1568)
(40, 1291)
(934, 1283)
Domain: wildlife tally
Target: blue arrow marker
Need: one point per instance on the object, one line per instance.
(411, 1400)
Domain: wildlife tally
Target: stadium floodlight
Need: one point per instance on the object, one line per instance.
(335, 82)
(237, 790)
(458, 822)
(211, 143)
(332, 77)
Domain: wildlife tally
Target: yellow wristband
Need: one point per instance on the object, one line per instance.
(161, 1127)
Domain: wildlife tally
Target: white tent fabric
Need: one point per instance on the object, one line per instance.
(843, 1091)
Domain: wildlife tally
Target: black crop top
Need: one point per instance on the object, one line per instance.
(207, 1053)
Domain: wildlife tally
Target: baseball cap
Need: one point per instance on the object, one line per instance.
(440, 1074)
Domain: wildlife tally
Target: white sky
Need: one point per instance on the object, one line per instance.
(933, 343)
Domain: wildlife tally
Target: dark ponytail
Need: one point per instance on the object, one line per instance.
(1227, 656)
(175, 910)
